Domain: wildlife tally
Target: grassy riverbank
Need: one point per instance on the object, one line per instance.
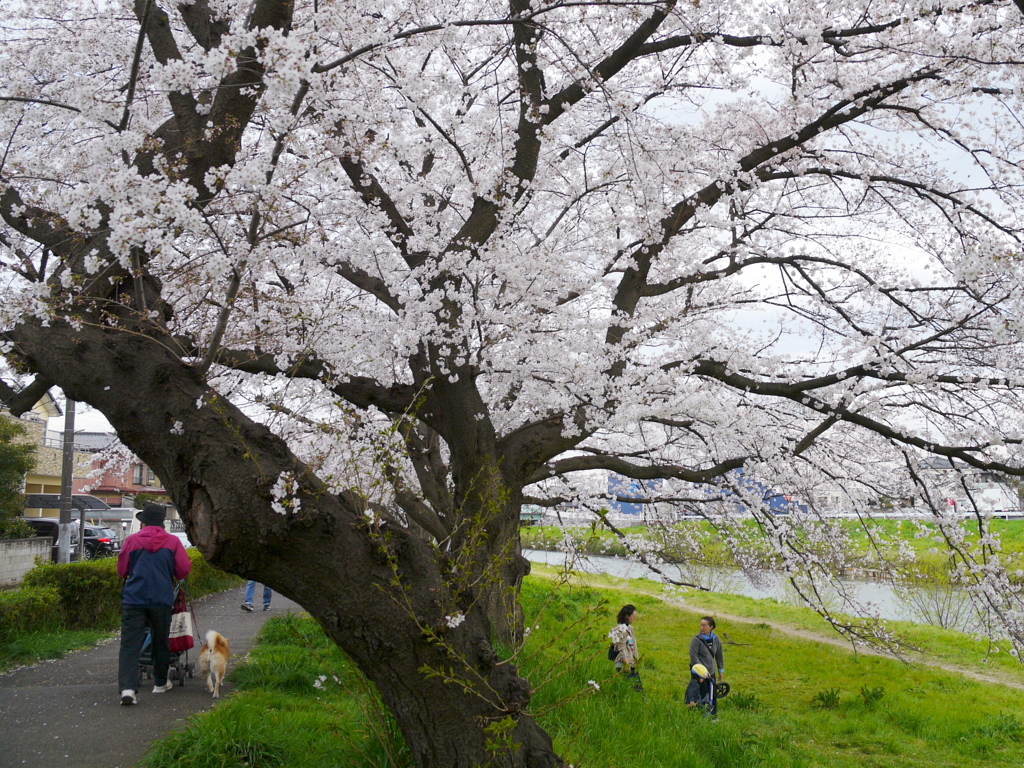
(861, 538)
(302, 704)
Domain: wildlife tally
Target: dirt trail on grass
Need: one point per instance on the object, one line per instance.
(912, 658)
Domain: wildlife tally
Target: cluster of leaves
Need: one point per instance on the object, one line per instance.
(829, 698)
(871, 695)
(1003, 727)
(30, 609)
(748, 701)
(89, 592)
(826, 699)
(17, 459)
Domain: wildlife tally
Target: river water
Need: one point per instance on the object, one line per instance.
(875, 595)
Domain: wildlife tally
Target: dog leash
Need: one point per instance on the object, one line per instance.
(192, 610)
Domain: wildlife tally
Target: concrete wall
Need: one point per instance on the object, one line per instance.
(18, 557)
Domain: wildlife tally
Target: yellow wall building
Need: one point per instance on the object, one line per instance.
(46, 477)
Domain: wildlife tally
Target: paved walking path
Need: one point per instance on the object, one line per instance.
(67, 712)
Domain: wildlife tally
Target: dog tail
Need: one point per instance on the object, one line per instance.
(217, 643)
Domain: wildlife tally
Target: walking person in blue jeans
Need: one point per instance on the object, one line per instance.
(250, 593)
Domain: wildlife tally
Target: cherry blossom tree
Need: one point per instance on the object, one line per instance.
(357, 278)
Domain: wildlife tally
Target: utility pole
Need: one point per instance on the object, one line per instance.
(67, 473)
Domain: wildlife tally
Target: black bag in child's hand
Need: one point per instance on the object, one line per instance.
(613, 653)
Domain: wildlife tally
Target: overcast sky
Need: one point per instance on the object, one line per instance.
(87, 418)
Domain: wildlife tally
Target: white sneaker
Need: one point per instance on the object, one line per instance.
(128, 697)
(163, 688)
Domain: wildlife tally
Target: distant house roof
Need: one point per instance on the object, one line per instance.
(92, 442)
(47, 407)
(936, 462)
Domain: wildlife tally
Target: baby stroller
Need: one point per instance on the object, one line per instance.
(182, 639)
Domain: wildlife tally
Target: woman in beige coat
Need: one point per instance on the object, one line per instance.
(624, 638)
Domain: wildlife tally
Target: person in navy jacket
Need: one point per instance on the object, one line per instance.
(151, 562)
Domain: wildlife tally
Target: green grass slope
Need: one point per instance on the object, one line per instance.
(794, 701)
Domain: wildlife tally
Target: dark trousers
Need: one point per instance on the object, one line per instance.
(633, 675)
(134, 620)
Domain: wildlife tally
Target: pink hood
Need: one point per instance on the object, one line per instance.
(154, 537)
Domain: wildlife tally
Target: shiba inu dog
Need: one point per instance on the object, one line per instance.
(213, 661)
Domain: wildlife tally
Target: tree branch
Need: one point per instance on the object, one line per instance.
(361, 391)
(635, 471)
(374, 196)
(19, 401)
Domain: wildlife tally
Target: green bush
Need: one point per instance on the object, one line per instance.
(30, 609)
(872, 696)
(827, 699)
(62, 607)
(1002, 728)
(15, 528)
(16, 460)
(205, 579)
(746, 701)
(90, 591)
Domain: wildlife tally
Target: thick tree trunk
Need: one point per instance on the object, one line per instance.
(484, 523)
(376, 588)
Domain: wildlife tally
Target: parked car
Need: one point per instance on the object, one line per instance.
(100, 542)
(50, 526)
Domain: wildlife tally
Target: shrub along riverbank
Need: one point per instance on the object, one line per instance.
(59, 608)
(794, 702)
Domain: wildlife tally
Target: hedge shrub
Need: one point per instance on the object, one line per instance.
(29, 609)
(90, 591)
(62, 607)
(205, 579)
